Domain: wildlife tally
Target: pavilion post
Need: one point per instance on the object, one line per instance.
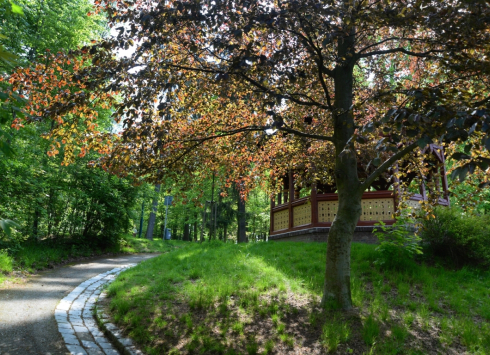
(314, 205)
(291, 199)
(272, 216)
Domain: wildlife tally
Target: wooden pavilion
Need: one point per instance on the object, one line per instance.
(309, 218)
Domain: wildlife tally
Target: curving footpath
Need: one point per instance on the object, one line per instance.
(52, 313)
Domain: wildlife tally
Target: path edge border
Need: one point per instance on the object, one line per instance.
(110, 333)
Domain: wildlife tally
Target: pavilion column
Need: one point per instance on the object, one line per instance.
(396, 188)
(291, 199)
(314, 204)
(272, 217)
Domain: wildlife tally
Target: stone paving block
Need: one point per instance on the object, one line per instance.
(92, 351)
(61, 319)
(98, 333)
(102, 341)
(89, 344)
(71, 339)
(111, 352)
(91, 328)
(126, 342)
(110, 326)
(85, 336)
(79, 329)
(67, 331)
(76, 350)
(117, 333)
(64, 325)
(64, 307)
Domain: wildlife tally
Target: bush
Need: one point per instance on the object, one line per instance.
(459, 237)
(398, 244)
(5, 262)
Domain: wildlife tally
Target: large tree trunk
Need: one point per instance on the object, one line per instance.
(153, 214)
(337, 275)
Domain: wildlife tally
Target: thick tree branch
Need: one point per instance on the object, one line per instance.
(260, 129)
(306, 135)
(378, 43)
(383, 167)
(228, 133)
(401, 50)
(286, 96)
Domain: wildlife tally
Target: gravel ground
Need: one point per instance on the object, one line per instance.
(27, 323)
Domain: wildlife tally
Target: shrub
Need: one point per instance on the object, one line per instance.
(459, 237)
(398, 244)
(5, 262)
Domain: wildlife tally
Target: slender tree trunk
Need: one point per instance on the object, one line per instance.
(35, 224)
(195, 230)
(153, 214)
(211, 224)
(186, 232)
(337, 274)
(215, 219)
(242, 223)
(203, 222)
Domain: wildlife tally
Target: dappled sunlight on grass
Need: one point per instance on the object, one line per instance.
(226, 298)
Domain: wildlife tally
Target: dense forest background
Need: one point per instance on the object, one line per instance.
(42, 200)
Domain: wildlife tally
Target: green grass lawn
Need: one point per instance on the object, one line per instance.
(264, 298)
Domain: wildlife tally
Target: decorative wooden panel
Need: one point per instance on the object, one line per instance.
(281, 220)
(302, 215)
(377, 209)
(414, 204)
(327, 210)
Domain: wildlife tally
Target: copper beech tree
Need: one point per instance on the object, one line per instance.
(248, 88)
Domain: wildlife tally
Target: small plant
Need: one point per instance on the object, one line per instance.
(370, 330)
(275, 319)
(314, 317)
(408, 319)
(400, 333)
(288, 340)
(468, 332)
(186, 318)
(281, 328)
(334, 333)
(397, 244)
(446, 336)
(424, 315)
(237, 327)
(268, 347)
(252, 347)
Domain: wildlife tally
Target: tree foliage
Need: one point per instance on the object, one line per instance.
(47, 201)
